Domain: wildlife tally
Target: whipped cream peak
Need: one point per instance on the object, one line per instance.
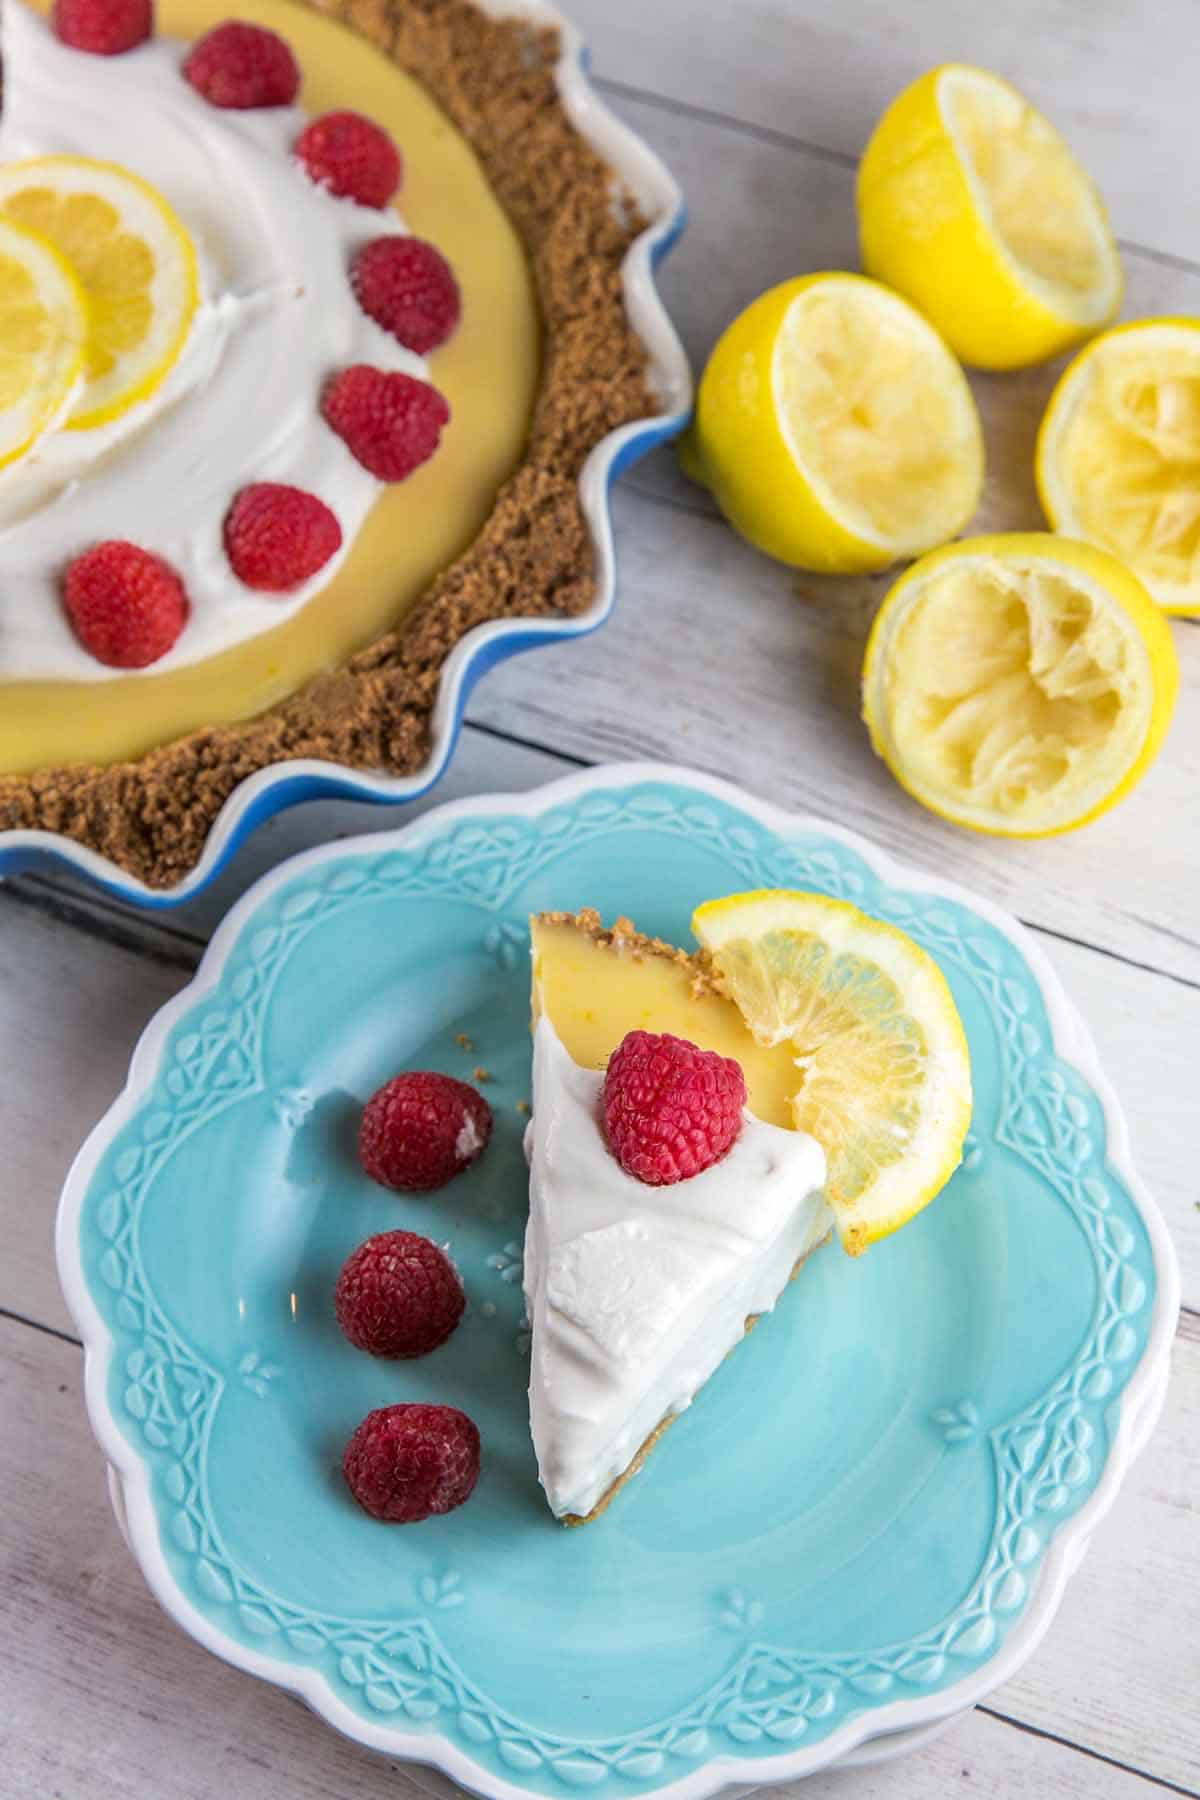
(276, 317)
(636, 1293)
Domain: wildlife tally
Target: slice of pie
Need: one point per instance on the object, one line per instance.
(638, 1280)
(636, 1293)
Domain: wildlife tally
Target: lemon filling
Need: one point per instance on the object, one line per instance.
(1030, 189)
(876, 415)
(1014, 693)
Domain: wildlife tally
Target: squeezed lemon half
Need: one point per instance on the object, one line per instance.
(132, 258)
(43, 330)
(1118, 456)
(971, 205)
(882, 1073)
(1019, 684)
(836, 431)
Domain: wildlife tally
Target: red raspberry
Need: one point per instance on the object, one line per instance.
(102, 27)
(670, 1110)
(242, 66)
(420, 1129)
(410, 1461)
(406, 286)
(351, 157)
(127, 607)
(398, 1295)
(389, 422)
(277, 536)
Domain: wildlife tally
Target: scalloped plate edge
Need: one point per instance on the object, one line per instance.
(271, 790)
(1139, 1402)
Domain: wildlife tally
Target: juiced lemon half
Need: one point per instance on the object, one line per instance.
(836, 431)
(880, 1071)
(1019, 684)
(133, 260)
(971, 205)
(43, 330)
(1118, 456)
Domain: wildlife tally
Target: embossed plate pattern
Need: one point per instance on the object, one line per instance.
(863, 1523)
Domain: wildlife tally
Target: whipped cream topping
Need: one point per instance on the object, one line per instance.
(635, 1294)
(276, 318)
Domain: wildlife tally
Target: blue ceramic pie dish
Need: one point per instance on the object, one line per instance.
(288, 783)
(862, 1525)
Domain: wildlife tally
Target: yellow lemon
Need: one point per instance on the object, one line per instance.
(835, 429)
(43, 331)
(972, 206)
(1019, 684)
(133, 259)
(1118, 455)
(882, 1074)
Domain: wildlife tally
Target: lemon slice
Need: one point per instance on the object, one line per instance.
(1019, 684)
(883, 1078)
(971, 205)
(834, 428)
(43, 330)
(1118, 456)
(133, 259)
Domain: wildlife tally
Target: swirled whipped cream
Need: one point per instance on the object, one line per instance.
(276, 317)
(635, 1294)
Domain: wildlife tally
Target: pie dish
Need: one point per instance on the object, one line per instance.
(881, 1546)
(551, 215)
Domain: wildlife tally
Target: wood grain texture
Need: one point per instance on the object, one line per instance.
(1108, 74)
(105, 1697)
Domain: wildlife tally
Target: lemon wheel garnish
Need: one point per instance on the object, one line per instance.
(43, 331)
(1019, 684)
(835, 429)
(131, 256)
(971, 205)
(1118, 456)
(883, 1078)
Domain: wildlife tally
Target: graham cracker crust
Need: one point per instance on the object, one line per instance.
(633, 1467)
(624, 938)
(533, 557)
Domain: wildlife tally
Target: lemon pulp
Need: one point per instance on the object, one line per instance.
(871, 417)
(133, 259)
(1018, 685)
(43, 331)
(1119, 462)
(881, 1074)
(1032, 191)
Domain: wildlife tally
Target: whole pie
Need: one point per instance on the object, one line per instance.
(316, 315)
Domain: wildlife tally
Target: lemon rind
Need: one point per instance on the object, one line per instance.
(65, 391)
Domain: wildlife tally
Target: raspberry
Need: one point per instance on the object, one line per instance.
(351, 157)
(420, 1129)
(410, 1461)
(406, 286)
(398, 1295)
(389, 422)
(242, 66)
(277, 536)
(102, 27)
(127, 606)
(670, 1109)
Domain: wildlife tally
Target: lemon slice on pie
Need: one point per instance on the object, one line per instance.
(1118, 457)
(43, 330)
(133, 260)
(880, 1075)
(1019, 684)
(836, 431)
(972, 206)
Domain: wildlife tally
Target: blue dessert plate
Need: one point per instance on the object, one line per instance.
(863, 1523)
(642, 175)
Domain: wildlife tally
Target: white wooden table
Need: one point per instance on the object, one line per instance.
(717, 658)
